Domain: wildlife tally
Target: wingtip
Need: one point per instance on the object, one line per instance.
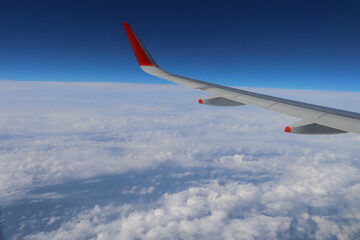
(142, 56)
(126, 25)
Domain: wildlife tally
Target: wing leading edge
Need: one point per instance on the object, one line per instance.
(315, 119)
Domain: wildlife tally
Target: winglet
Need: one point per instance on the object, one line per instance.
(141, 54)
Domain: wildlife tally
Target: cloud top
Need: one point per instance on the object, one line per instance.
(241, 177)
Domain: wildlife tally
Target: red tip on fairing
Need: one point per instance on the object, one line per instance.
(200, 101)
(140, 54)
(288, 129)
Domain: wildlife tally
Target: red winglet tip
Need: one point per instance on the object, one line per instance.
(288, 129)
(200, 101)
(140, 54)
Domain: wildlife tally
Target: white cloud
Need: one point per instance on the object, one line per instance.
(215, 211)
(197, 212)
(40, 197)
(266, 184)
(147, 190)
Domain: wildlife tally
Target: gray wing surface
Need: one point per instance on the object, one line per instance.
(315, 119)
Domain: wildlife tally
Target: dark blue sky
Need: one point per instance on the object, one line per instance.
(282, 44)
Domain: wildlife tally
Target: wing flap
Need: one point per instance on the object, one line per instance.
(295, 111)
(254, 101)
(344, 123)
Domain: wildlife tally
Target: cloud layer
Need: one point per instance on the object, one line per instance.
(243, 177)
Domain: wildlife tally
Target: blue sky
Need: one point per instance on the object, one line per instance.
(281, 44)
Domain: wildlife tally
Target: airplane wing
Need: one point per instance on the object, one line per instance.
(315, 119)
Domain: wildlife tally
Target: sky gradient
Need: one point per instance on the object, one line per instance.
(281, 44)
